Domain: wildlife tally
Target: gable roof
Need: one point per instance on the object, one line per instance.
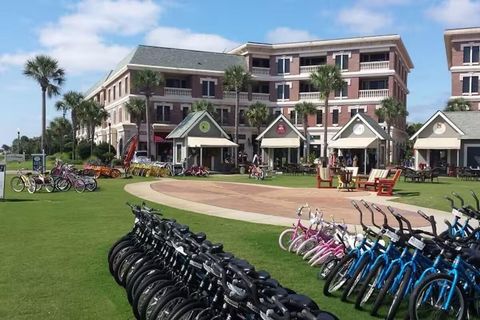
(447, 119)
(467, 121)
(369, 122)
(281, 117)
(192, 119)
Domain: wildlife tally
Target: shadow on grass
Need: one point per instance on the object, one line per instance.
(17, 200)
(405, 194)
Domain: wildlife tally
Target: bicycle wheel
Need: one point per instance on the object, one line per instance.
(167, 305)
(31, 186)
(400, 293)
(353, 282)
(49, 185)
(79, 185)
(385, 287)
(286, 238)
(306, 246)
(188, 312)
(63, 184)
(338, 276)
(296, 243)
(431, 294)
(327, 267)
(115, 173)
(91, 184)
(369, 286)
(17, 184)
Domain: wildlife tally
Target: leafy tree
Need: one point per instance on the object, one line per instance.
(145, 81)
(257, 115)
(203, 105)
(92, 114)
(236, 79)
(136, 108)
(304, 109)
(6, 148)
(326, 78)
(50, 77)
(390, 110)
(58, 130)
(83, 149)
(458, 104)
(71, 101)
(101, 152)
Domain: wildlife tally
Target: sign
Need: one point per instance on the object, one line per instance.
(204, 126)
(38, 161)
(15, 157)
(3, 172)
(281, 129)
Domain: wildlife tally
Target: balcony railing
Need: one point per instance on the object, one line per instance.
(309, 96)
(309, 69)
(261, 71)
(378, 93)
(260, 96)
(231, 95)
(182, 92)
(374, 65)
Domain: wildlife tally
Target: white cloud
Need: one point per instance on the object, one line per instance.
(285, 34)
(456, 13)
(186, 39)
(385, 3)
(14, 59)
(364, 20)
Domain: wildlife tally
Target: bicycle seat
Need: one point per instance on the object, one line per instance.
(299, 302)
(225, 256)
(212, 247)
(199, 237)
(263, 275)
(244, 265)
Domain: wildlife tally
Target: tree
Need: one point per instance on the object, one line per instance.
(91, 114)
(5, 148)
(203, 105)
(136, 108)
(390, 110)
(304, 109)
(145, 81)
(50, 77)
(58, 128)
(458, 104)
(236, 79)
(71, 101)
(257, 115)
(326, 78)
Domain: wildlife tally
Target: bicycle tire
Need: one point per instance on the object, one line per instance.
(63, 184)
(126, 237)
(49, 185)
(166, 306)
(32, 187)
(79, 185)
(327, 267)
(121, 247)
(145, 260)
(343, 265)
(91, 185)
(353, 282)
(189, 311)
(366, 290)
(141, 275)
(285, 238)
(158, 289)
(383, 292)
(126, 264)
(146, 287)
(115, 173)
(296, 243)
(306, 246)
(118, 259)
(17, 184)
(399, 294)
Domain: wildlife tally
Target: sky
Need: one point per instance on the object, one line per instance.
(88, 37)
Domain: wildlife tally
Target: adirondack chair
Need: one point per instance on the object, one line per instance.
(372, 182)
(352, 179)
(323, 175)
(385, 186)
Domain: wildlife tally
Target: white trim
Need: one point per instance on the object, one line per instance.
(331, 108)
(214, 80)
(342, 53)
(432, 118)
(284, 58)
(465, 148)
(277, 84)
(469, 44)
(353, 119)
(470, 74)
(364, 107)
(280, 117)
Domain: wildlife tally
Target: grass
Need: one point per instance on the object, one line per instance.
(428, 195)
(54, 249)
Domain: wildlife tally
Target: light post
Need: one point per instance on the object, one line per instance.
(109, 135)
(18, 140)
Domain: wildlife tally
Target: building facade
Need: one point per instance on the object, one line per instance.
(462, 48)
(373, 68)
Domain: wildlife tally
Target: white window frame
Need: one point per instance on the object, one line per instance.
(295, 122)
(289, 84)
(219, 112)
(177, 161)
(469, 76)
(341, 96)
(161, 104)
(323, 113)
(120, 89)
(215, 81)
(471, 45)
(126, 85)
(284, 58)
(342, 53)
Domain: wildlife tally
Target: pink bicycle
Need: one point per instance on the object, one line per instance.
(291, 234)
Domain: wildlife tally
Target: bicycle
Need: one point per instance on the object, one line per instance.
(23, 180)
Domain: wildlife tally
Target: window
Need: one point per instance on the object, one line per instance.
(179, 153)
(374, 84)
(109, 95)
(342, 93)
(471, 54)
(470, 85)
(163, 113)
(313, 61)
(354, 111)
(341, 61)
(114, 92)
(241, 117)
(185, 111)
(126, 85)
(120, 115)
(222, 116)
(261, 62)
(119, 89)
(208, 88)
(335, 116)
(176, 83)
(306, 86)
(319, 116)
(283, 65)
(370, 57)
(283, 92)
(114, 117)
(261, 87)
(295, 118)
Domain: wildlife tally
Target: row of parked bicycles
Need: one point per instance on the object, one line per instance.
(165, 169)
(169, 272)
(62, 177)
(415, 272)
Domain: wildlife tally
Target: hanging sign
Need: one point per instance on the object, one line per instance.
(281, 129)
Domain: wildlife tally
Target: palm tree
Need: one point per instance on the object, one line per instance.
(145, 81)
(203, 105)
(304, 109)
(136, 107)
(257, 115)
(458, 104)
(236, 79)
(326, 78)
(390, 110)
(92, 114)
(71, 101)
(50, 77)
(59, 127)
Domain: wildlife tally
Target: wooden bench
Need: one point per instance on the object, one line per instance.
(324, 176)
(373, 178)
(385, 186)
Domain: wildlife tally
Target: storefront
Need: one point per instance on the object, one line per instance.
(199, 140)
(281, 143)
(361, 143)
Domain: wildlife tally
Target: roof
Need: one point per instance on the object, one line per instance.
(281, 117)
(372, 124)
(445, 117)
(182, 129)
(467, 121)
(458, 32)
(97, 84)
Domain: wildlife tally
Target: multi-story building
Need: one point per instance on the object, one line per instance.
(463, 57)
(373, 68)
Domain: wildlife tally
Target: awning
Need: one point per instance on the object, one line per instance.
(352, 143)
(437, 143)
(197, 142)
(280, 142)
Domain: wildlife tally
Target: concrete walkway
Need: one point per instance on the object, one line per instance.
(255, 203)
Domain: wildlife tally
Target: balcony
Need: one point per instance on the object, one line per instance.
(377, 93)
(309, 69)
(309, 96)
(374, 65)
(260, 96)
(179, 92)
(261, 71)
(231, 95)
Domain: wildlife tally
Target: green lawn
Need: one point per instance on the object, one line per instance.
(429, 195)
(54, 247)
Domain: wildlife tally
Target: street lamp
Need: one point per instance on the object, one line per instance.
(18, 139)
(109, 135)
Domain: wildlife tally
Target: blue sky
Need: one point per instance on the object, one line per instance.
(89, 37)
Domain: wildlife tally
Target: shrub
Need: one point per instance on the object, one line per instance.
(101, 151)
(83, 149)
(117, 162)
